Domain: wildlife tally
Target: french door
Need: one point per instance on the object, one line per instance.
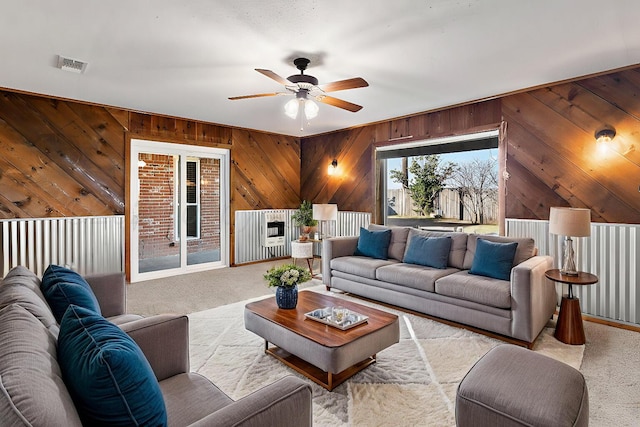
(179, 209)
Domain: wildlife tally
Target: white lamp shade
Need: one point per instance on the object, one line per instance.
(291, 108)
(572, 222)
(310, 109)
(325, 212)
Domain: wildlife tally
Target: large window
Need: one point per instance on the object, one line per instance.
(443, 183)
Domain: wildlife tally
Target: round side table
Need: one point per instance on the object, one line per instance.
(302, 250)
(569, 328)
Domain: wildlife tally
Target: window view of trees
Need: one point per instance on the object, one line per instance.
(444, 189)
(477, 184)
(427, 180)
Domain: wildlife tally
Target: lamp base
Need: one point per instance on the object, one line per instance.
(569, 264)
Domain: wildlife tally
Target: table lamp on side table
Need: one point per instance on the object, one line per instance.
(324, 213)
(569, 222)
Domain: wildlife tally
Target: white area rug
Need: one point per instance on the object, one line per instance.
(412, 383)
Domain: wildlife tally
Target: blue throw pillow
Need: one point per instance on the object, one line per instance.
(62, 286)
(428, 251)
(493, 259)
(106, 373)
(374, 244)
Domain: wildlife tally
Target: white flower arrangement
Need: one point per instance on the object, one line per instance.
(287, 276)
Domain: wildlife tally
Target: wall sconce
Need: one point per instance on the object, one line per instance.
(333, 167)
(604, 136)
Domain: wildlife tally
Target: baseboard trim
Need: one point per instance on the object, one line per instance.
(612, 323)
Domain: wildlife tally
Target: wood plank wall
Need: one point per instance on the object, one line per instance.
(551, 155)
(60, 158)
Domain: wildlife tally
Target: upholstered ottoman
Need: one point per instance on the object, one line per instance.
(513, 386)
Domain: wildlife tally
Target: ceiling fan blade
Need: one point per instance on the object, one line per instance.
(274, 76)
(345, 105)
(345, 84)
(257, 95)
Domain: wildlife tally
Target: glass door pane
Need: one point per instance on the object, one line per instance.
(203, 210)
(158, 245)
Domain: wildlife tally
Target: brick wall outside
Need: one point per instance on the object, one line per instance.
(156, 226)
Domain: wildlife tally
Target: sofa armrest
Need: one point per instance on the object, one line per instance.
(335, 247)
(533, 297)
(284, 403)
(164, 340)
(110, 290)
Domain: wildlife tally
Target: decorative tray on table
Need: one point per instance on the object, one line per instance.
(338, 317)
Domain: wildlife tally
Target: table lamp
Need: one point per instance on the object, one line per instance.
(323, 213)
(569, 222)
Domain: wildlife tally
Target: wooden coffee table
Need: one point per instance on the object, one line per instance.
(323, 353)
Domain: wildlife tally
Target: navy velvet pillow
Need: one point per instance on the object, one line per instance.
(108, 376)
(374, 244)
(428, 251)
(62, 286)
(493, 259)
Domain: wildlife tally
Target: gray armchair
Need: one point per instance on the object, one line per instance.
(30, 371)
(190, 398)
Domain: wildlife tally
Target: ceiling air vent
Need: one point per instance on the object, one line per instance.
(72, 65)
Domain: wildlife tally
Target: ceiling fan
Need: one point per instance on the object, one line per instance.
(305, 87)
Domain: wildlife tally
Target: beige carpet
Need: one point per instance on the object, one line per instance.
(412, 383)
(199, 291)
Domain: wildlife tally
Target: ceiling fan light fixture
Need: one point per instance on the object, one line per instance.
(291, 108)
(310, 109)
(304, 87)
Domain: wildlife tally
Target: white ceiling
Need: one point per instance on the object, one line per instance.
(185, 58)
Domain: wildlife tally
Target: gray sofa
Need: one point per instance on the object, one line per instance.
(518, 308)
(33, 391)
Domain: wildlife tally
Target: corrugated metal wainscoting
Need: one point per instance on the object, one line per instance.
(249, 245)
(86, 244)
(612, 253)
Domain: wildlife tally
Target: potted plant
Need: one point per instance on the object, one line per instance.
(303, 217)
(285, 279)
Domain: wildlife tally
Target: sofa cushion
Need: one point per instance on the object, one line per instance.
(21, 286)
(32, 391)
(62, 287)
(398, 242)
(480, 289)
(526, 247)
(458, 244)
(428, 251)
(106, 372)
(374, 244)
(359, 266)
(412, 275)
(190, 397)
(493, 259)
